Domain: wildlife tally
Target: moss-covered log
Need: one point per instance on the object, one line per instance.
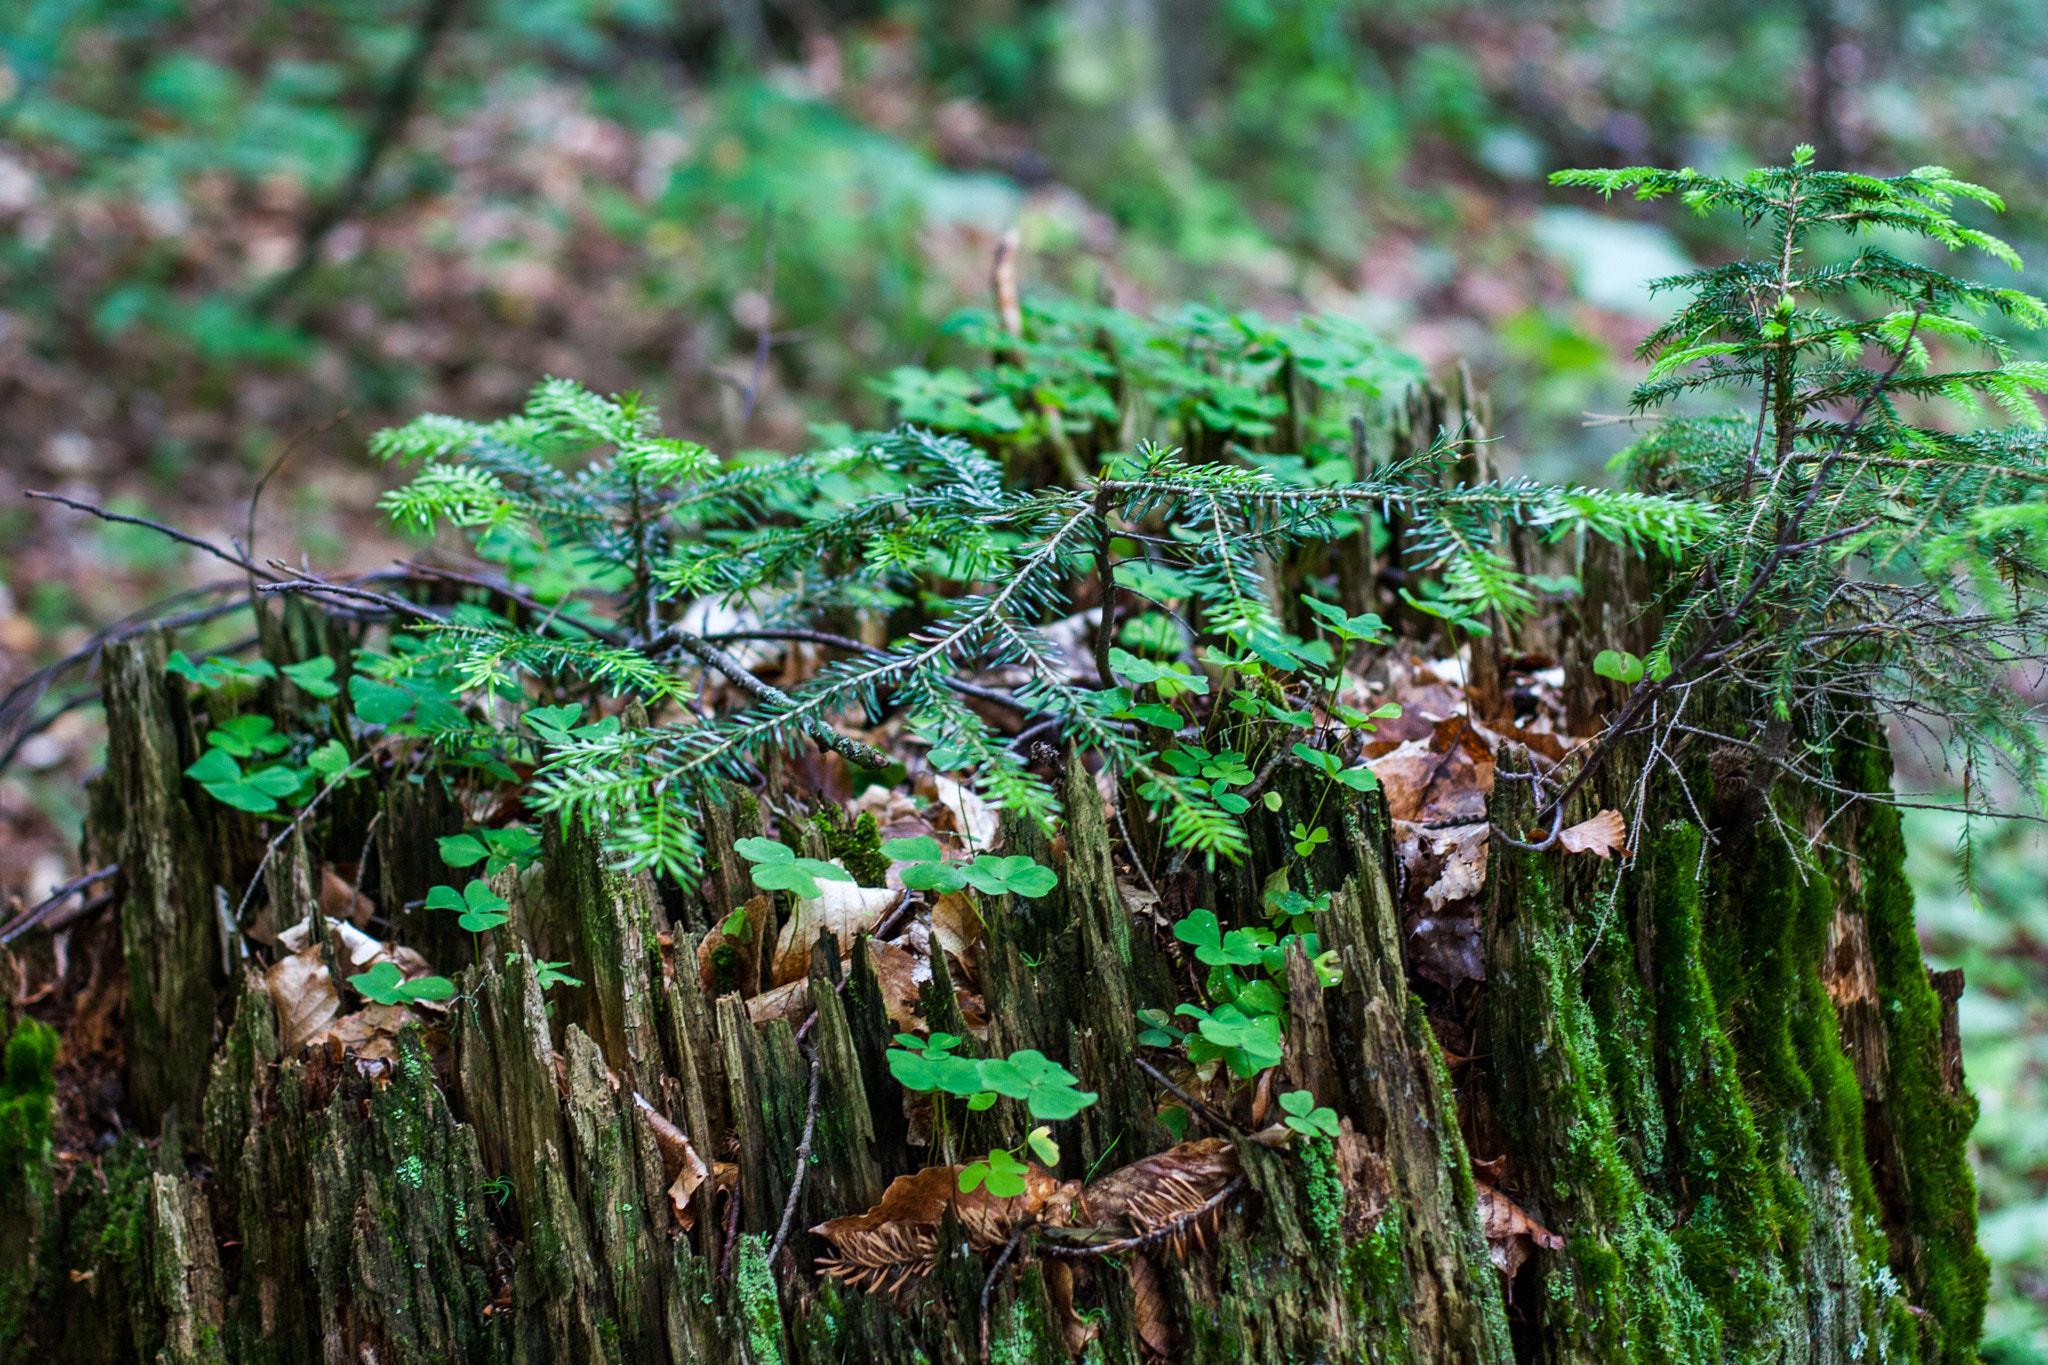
(1719, 1078)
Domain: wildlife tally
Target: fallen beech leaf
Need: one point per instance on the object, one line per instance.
(370, 1032)
(1603, 834)
(1148, 1306)
(791, 1001)
(967, 814)
(843, 908)
(1512, 1236)
(957, 927)
(680, 1165)
(302, 990)
(341, 901)
(1463, 849)
(735, 957)
(898, 971)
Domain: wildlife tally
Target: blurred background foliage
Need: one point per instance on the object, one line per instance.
(224, 222)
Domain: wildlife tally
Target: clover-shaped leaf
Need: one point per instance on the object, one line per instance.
(931, 1070)
(1047, 1088)
(330, 760)
(1347, 628)
(313, 677)
(244, 736)
(1002, 1172)
(376, 702)
(462, 850)
(1305, 1118)
(927, 870)
(778, 869)
(1618, 665)
(1248, 1044)
(480, 907)
(994, 876)
(1306, 840)
(385, 984)
(1213, 947)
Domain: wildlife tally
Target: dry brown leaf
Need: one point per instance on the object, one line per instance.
(1463, 849)
(684, 1170)
(843, 908)
(897, 972)
(791, 1001)
(962, 810)
(303, 993)
(1059, 1287)
(1512, 1236)
(894, 1241)
(957, 927)
(742, 964)
(1148, 1305)
(369, 1034)
(1605, 833)
(1446, 777)
(341, 901)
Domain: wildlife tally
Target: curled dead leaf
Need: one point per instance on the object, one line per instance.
(1512, 1236)
(302, 990)
(339, 900)
(846, 910)
(1605, 833)
(957, 927)
(369, 1034)
(1463, 849)
(684, 1170)
(961, 809)
(732, 962)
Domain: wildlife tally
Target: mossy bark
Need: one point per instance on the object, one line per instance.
(1721, 1081)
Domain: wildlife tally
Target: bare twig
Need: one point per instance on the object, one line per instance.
(803, 1153)
(988, 1286)
(1194, 1105)
(33, 916)
(239, 561)
(848, 748)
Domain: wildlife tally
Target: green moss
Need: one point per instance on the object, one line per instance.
(26, 1086)
(1623, 1289)
(1019, 1334)
(1932, 1126)
(760, 1310)
(1323, 1192)
(1376, 1285)
(1729, 1233)
(857, 847)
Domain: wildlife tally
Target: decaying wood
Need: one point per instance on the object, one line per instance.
(534, 1176)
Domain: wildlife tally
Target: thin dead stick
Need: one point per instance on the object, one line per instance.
(988, 1286)
(803, 1151)
(270, 849)
(239, 561)
(848, 748)
(1194, 1105)
(33, 916)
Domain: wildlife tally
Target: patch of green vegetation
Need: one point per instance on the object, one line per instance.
(1931, 1126)
(1324, 1191)
(857, 846)
(760, 1310)
(26, 1087)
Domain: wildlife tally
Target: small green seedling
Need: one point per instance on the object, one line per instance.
(481, 908)
(990, 875)
(1246, 1043)
(247, 736)
(385, 984)
(1618, 665)
(497, 849)
(1307, 840)
(1359, 779)
(220, 672)
(314, 677)
(778, 869)
(257, 792)
(1305, 1118)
